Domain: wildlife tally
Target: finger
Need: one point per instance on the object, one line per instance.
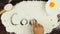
(40, 26)
(35, 25)
(34, 22)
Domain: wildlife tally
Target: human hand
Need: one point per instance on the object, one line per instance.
(38, 28)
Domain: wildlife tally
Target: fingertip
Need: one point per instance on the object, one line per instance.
(40, 25)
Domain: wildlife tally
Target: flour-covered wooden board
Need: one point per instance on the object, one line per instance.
(17, 19)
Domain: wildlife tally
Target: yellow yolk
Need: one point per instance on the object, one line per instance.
(52, 4)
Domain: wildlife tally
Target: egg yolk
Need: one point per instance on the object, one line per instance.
(52, 4)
